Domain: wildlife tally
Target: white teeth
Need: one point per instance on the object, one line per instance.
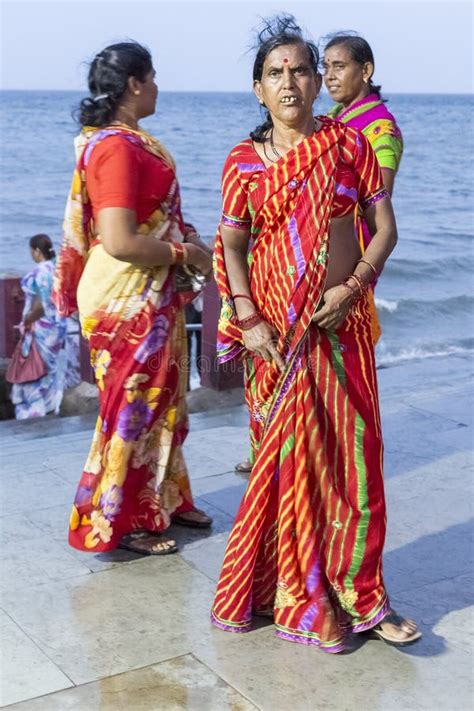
(288, 100)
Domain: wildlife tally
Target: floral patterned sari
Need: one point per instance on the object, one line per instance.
(135, 476)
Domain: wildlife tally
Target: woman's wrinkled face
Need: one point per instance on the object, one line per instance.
(289, 84)
(345, 79)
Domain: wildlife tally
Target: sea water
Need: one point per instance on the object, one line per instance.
(425, 295)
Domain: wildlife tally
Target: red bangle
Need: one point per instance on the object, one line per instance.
(181, 253)
(249, 321)
(242, 296)
(363, 285)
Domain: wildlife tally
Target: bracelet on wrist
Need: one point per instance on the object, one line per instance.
(361, 285)
(350, 289)
(249, 321)
(174, 255)
(369, 264)
(181, 253)
(242, 296)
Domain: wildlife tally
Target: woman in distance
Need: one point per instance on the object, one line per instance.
(306, 546)
(42, 322)
(123, 244)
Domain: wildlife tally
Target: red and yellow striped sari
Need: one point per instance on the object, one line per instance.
(308, 537)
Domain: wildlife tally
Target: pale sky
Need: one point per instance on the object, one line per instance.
(423, 46)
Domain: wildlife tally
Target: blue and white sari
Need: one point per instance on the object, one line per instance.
(44, 395)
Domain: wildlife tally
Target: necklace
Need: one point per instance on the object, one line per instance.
(273, 147)
(275, 151)
(270, 160)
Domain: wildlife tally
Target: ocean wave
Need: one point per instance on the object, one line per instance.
(458, 306)
(386, 305)
(387, 359)
(429, 268)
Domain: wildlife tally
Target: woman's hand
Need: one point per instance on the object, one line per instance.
(36, 312)
(192, 237)
(261, 340)
(199, 258)
(27, 323)
(336, 306)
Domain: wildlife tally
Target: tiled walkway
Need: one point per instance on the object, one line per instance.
(116, 631)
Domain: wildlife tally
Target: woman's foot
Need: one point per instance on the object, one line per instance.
(244, 467)
(397, 630)
(146, 543)
(193, 519)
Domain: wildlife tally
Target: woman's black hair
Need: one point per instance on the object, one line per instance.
(278, 31)
(360, 51)
(44, 244)
(109, 73)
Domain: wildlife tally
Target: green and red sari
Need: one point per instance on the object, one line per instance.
(307, 542)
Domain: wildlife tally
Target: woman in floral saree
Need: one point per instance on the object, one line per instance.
(124, 238)
(306, 546)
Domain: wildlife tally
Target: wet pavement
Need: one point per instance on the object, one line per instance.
(117, 631)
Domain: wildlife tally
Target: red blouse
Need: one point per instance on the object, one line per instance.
(358, 179)
(122, 174)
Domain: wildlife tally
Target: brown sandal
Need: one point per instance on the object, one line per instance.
(398, 621)
(131, 542)
(181, 519)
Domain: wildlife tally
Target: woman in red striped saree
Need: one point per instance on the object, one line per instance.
(306, 546)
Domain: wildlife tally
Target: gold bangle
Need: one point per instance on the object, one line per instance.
(173, 253)
(364, 261)
(185, 254)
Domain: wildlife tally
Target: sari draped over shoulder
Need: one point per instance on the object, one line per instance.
(135, 476)
(307, 540)
(371, 116)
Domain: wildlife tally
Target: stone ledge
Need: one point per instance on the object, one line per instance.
(83, 399)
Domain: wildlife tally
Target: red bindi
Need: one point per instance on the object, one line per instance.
(286, 60)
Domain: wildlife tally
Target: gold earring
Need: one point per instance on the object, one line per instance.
(136, 92)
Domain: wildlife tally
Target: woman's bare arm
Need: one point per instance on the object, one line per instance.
(261, 338)
(382, 226)
(118, 233)
(34, 314)
(388, 177)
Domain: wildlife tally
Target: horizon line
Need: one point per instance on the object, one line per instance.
(243, 91)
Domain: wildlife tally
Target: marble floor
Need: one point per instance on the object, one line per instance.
(118, 631)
